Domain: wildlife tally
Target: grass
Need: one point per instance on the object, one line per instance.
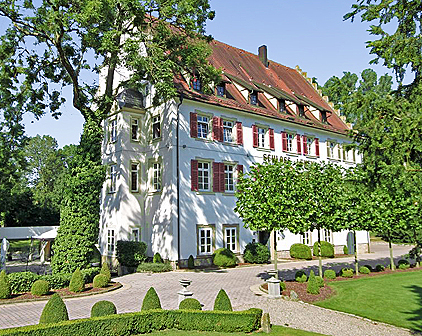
(393, 298)
(276, 331)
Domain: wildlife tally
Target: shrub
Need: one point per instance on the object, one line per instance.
(347, 273)
(57, 281)
(40, 287)
(90, 273)
(222, 301)
(282, 286)
(190, 303)
(100, 281)
(403, 264)
(95, 256)
(103, 308)
(77, 283)
(54, 311)
(256, 253)
(312, 287)
(105, 270)
(327, 249)
(329, 274)
(345, 249)
(157, 259)
(151, 300)
(300, 251)
(369, 267)
(379, 268)
(320, 281)
(191, 262)
(223, 257)
(131, 253)
(301, 276)
(364, 270)
(5, 290)
(154, 268)
(21, 282)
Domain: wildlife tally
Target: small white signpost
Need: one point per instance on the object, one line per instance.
(3, 254)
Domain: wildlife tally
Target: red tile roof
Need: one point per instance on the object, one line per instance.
(247, 68)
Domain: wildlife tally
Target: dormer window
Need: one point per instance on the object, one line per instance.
(196, 83)
(301, 110)
(282, 105)
(324, 117)
(254, 98)
(221, 90)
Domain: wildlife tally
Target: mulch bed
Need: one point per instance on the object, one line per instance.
(63, 292)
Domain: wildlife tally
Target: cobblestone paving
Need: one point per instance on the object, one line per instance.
(205, 286)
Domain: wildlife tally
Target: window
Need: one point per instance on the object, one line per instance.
(113, 178)
(228, 131)
(254, 98)
(134, 177)
(156, 176)
(134, 129)
(113, 130)
(203, 176)
(331, 152)
(111, 240)
(282, 105)
(228, 178)
(196, 84)
(289, 142)
(156, 127)
(306, 238)
(324, 117)
(326, 235)
(135, 235)
(301, 110)
(203, 126)
(345, 154)
(221, 90)
(230, 237)
(205, 236)
(261, 137)
(309, 142)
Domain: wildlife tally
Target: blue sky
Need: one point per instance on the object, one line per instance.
(308, 33)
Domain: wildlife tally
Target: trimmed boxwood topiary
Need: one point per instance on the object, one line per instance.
(106, 271)
(320, 281)
(223, 257)
(103, 308)
(151, 300)
(256, 253)
(191, 262)
(301, 276)
(327, 249)
(54, 311)
(154, 268)
(5, 290)
(156, 259)
(329, 274)
(347, 273)
(90, 273)
(345, 249)
(403, 264)
(379, 268)
(40, 288)
(369, 267)
(300, 251)
(364, 270)
(190, 303)
(222, 301)
(77, 283)
(312, 287)
(100, 281)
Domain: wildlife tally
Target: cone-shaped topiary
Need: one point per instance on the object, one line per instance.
(103, 308)
(77, 283)
(190, 303)
(54, 311)
(319, 281)
(5, 290)
(222, 301)
(40, 287)
(312, 287)
(100, 281)
(106, 271)
(191, 262)
(156, 259)
(151, 300)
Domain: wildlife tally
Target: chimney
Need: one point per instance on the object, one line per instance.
(262, 53)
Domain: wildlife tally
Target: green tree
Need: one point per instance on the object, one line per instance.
(49, 45)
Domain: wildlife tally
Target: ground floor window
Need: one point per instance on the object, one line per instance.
(111, 241)
(306, 238)
(206, 240)
(231, 237)
(135, 235)
(326, 236)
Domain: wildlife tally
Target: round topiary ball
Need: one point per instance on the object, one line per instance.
(364, 270)
(151, 300)
(300, 251)
(103, 308)
(190, 303)
(327, 249)
(347, 273)
(329, 274)
(100, 281)
(223, 257)
(54, 311)
(40, 287)
(222, 301)
(5, 290)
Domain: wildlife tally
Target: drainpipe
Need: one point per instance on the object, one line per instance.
(178, 179)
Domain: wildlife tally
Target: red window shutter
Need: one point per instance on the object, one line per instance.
(239, 168)
(193, 125)
(284, 141)
(239, 130)
(305, 148)
(220, 129)
(194, 175)
(215, 128)
(298, 144)
(221, 178)
(255, 135)
(316, 146)
(215, 176)
(271, 134)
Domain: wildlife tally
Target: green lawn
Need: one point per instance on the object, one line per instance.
(276, 331)
(394, 298)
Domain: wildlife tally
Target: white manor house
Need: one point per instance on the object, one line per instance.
(172, 170)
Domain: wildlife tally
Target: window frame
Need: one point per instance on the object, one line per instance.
(211, 229)
(253, 98)
(310, 147)
(137, 172)
(111, 242)
(231, 227)
(219, 93)
(327, 233)
(232, 132)
(138, 128)
(266, 142)
(233, 177)
(290, 139)
(112, 188)
(196, 83)
(332, 149)
(155, 186)
(210, 172)
(154, 122)
(113, 130)
(306, 238)
(136, 237)
(208, 126)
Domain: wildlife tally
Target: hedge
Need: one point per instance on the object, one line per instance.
(146, 322)
(154, 267)
(300, 251)
(256, 253)
(130, 253)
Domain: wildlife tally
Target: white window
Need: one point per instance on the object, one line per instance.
(331, 149)
(205, 240)
(203, 126)
(306, 238)
(156, 127)
(230, 238)
(134, 177)
(113, 130)
(228, 178)
(309, 145)
(326, 235)
(135, 235)
(345, 154)
(203, 176)
(290, 142)
(134, 129)
(113, 178)
(156, 176)
(228, 131)
(111, 241)
(261, 137)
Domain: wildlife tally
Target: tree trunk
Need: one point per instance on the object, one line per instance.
(274, 248)
(417, 249)
(356, 253)
(393, 267)
(319, 254)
